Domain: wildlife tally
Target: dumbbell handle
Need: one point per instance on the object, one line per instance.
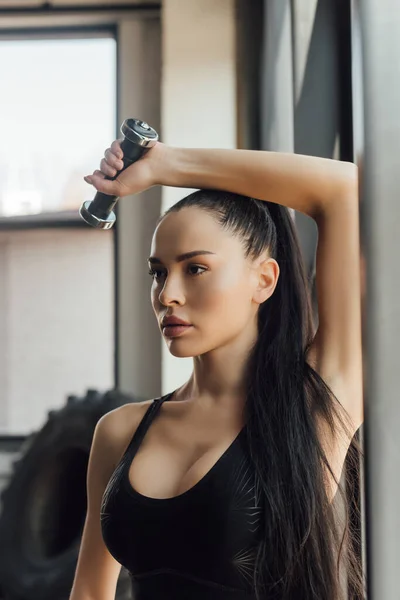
(139, 138)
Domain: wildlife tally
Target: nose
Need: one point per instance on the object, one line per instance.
(171, 293)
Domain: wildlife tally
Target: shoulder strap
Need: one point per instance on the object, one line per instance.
(146, 421)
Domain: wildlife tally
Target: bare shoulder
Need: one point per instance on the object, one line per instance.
(115, 429)
(122, 417)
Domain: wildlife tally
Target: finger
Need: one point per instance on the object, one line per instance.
(98, 173)
(107, 169)
(112, 160)
(116, 148)
(101, 184)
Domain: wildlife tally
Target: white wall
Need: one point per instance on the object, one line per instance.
(56, 320)
(198, 101)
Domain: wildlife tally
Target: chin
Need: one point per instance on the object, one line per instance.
(179, 351)
(180, 354)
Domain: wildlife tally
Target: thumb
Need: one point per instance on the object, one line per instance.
(106, 186)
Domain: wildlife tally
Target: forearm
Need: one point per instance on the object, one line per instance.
(305, 183)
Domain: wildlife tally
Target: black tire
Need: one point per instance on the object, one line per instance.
(44, 505)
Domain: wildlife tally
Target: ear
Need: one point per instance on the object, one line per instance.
(267, 274)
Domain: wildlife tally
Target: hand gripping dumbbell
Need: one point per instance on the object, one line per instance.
(139, 137)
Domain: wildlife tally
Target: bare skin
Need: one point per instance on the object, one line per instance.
(177, 451)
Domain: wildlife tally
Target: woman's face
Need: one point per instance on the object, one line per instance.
(217, 293)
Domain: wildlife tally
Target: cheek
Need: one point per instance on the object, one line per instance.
(223, 298)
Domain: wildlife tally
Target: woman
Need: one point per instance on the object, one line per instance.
(231, 492)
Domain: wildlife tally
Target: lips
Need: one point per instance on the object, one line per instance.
(173, 331)
(173, 321)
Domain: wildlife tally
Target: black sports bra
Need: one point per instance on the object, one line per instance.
(199, 545)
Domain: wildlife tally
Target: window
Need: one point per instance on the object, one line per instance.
(57, 116)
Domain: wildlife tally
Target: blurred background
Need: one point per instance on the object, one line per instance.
(77, 333)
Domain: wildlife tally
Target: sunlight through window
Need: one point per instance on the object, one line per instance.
(57, 116)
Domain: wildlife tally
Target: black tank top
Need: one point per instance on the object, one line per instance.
(199, 545)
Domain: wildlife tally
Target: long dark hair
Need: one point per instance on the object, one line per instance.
(303, 546)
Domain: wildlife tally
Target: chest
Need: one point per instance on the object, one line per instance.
(208, 521)
(163, 469)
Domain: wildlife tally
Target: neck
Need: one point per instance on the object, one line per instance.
(218, 378)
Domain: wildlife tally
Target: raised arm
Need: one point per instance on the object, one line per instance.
(305, 183)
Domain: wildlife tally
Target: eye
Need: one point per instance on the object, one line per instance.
(197, 267)
(154, 272)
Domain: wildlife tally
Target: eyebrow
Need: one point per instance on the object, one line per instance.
(154, 260)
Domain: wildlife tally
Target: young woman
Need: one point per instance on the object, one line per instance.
(225, 487)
